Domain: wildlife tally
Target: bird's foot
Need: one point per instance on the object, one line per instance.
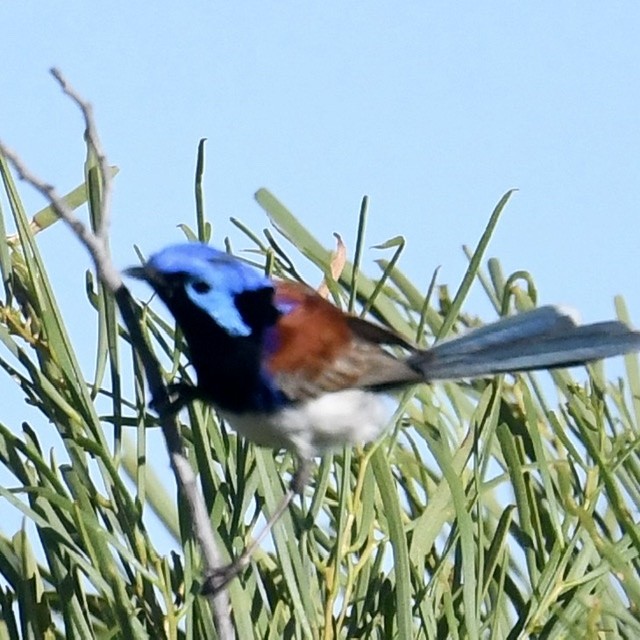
(177, 396)
(220, 577)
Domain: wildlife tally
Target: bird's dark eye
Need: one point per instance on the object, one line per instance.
(200, 286)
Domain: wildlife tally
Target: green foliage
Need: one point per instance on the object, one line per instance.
(489, 511)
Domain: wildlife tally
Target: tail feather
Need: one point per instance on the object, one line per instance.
(544, 338)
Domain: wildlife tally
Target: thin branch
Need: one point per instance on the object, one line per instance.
(97, 245)
(93, 141)
(109, 275)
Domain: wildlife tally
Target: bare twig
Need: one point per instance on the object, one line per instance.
(93, 141)
(94, 244)
(97, 245)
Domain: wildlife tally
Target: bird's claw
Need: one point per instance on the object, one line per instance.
(176, 396)
(220, 577)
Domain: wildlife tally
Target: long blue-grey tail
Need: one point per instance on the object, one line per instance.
(544, 338)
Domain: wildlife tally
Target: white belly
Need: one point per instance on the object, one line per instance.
(311, 427)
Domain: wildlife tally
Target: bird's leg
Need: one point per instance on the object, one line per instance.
(221, 577)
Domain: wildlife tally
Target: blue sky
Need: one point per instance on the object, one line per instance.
(432, 109)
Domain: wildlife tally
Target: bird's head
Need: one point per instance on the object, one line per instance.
(235, 296)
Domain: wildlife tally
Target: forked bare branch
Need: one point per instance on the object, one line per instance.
(97, 245)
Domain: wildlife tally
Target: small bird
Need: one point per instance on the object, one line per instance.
(289, 370)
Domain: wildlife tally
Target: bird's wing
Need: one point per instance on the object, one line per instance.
(315, 348)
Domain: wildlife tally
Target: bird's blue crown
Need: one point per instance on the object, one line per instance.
(212, 280)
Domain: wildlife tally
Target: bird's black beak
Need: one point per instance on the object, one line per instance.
(149, 275)
(158, 281)
(139, 273)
